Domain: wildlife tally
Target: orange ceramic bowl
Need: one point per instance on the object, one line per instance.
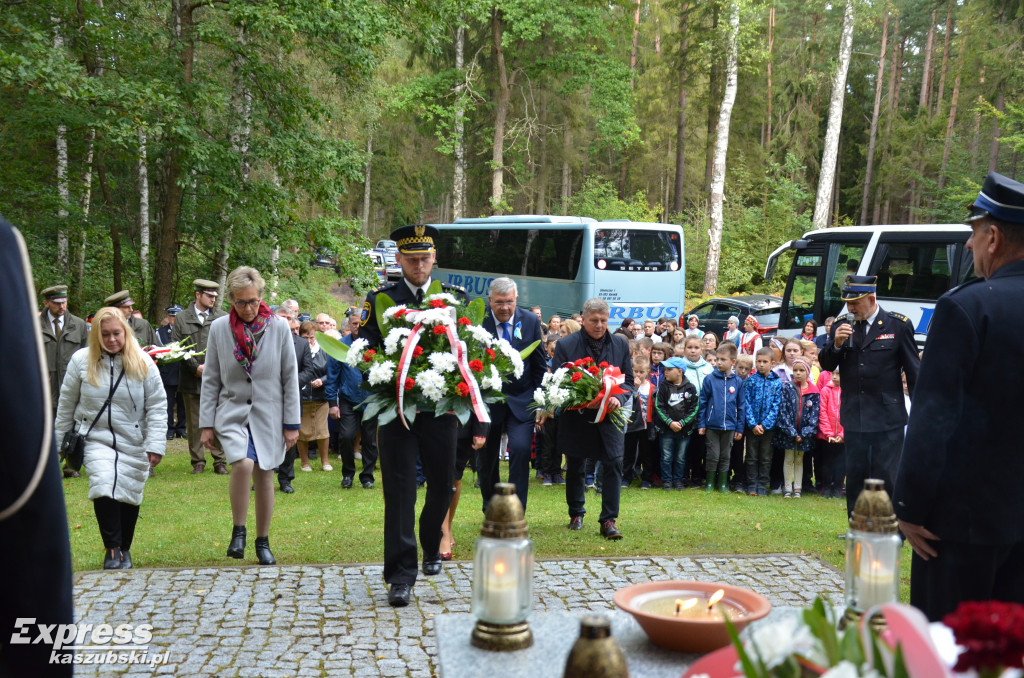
(684, 634)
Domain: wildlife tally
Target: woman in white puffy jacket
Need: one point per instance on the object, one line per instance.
(129, 435)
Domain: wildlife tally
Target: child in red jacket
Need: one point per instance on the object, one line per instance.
(831, 445)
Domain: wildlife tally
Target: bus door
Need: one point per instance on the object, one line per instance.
(814, 287)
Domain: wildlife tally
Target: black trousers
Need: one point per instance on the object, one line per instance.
(520, 445)
(350, 423)
(175, 403)
(117, 522)
(551, 457)
(637, 457)
(286, 471)
(871, 455)
(433, 439)
(966, 572)
(831, 462)
(611, 487)
(737, 470)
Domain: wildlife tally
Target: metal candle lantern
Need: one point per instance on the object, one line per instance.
(872, 553)
(503, 575)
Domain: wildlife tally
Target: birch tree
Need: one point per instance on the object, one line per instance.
(869, 160)
(459, 179)
(830, 151)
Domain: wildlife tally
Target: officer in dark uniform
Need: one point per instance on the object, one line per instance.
(958, 490)
(169, 375)
(430, 438)
(144, 332)
(872, 353)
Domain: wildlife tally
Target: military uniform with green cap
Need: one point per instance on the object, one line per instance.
(872, 362)
(192, 326)
(63, 334)
(144, 332)
(432, 439)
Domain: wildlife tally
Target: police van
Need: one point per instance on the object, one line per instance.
(559, 262)
(915, 265)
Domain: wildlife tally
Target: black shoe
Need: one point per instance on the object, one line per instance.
(609, 531)
(286, 487)
(236, 549)
(432, 567)
(112, 559)
(126, 560)
(263, 553)
(368, 485)
(576, 523)
(170, 435)
(346, 482)
(399, 595)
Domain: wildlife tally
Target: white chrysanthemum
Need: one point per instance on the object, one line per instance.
(443, 296)
(558, 396)
(554, 378)
(513, 355)
(355, 352)
(493, 381)
(443, 361)
(431, 384)
(775, 642)
(540, 397)
(390, 313)
(395, 339)
(481, 335)
(432, 316)
(845, 669)
(382, 373)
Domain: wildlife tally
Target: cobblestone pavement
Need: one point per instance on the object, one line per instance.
(316, 620)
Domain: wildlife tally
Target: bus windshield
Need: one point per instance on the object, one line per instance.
(621, 249)
(547, 253)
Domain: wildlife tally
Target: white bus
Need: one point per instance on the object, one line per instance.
(915, 265)
(560, 262)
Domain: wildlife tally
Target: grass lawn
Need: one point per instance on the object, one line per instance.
(185, 521)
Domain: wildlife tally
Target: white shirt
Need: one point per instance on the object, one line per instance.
(413, 288)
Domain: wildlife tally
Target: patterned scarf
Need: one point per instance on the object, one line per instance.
(245, 333)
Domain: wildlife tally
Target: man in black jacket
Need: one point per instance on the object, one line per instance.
(958, 495)
(872, 354)
(303, 361)
(169, 375)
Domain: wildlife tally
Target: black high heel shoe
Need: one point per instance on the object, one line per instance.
(126, 560)
(112, 559)
(263, 553)
(236, 549)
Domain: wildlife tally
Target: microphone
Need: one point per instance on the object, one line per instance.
(851, 318)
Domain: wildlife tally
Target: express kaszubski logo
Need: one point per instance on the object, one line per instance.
(89, 643)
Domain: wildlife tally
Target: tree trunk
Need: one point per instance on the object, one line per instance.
(924, 100)
(542, 179)
(767, 140)
(117, 264)
(677, 196)
(566, 168)
(976, 130)
(945, 58)
(993, 150)
(947, 148)
(367, 184)
(142, 173)
(459, 180)
(835, 120)
(500, 114)
(721, 148)
(873, 133)
(714, 100)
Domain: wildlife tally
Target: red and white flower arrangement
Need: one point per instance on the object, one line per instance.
(172, 353)
(580, 384)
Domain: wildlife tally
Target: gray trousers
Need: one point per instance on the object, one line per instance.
(195, 448)
(759, 460)
(719, 451)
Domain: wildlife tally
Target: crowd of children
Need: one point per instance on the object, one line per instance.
(731, 415)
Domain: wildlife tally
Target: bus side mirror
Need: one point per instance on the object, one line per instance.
(799, 245)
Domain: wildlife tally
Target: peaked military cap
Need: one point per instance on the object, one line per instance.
(415, 239)
(174, 309)
(1001, 198)
(858, 286)
(203, 285)
(55, 293)
(122, 298)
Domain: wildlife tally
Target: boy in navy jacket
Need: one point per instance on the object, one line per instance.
(721, 416)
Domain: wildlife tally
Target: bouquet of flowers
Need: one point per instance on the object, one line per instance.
(576, 385)
(172, 353)
(991, 634)
(436, 359)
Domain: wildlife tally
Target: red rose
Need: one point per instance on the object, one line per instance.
(368, 355)
(439, 329)
(580, 363)
(992, 633)
(462, 388)
(409, 383)
(476, 366)
(401, 312)
(588, 360)
(576, 376)
(465, 321)
(490, 353)
(603, 364)
(417, 352)
(593, 369)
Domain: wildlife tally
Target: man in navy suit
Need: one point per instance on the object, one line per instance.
(514, 417)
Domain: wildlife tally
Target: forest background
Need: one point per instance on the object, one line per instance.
(144, 143)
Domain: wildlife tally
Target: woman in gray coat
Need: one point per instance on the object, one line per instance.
(129, 434)
(249, 404)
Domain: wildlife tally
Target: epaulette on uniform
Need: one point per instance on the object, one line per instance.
(899, 316)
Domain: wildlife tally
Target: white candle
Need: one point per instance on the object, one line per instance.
(875, 584)
(501, 591)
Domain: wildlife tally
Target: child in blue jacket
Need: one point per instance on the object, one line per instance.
(720, 416)
(761, 398)
(799, 407)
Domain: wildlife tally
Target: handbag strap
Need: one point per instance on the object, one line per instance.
(106, 402)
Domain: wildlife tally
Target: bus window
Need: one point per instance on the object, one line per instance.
(801, 298)
(547, 253)
(636, 250)
(919, 270)
(843, 260)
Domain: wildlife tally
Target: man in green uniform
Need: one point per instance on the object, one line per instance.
(144, 332)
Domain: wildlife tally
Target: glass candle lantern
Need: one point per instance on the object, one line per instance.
(503, 575)
(872, 552)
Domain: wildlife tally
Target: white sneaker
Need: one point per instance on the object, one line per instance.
(327, 467)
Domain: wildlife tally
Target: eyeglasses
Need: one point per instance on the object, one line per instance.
(503, 304)
(251, 303)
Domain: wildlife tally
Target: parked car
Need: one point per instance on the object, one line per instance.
(324, 258)
(386, 246)
(714, 313)
(378, 264)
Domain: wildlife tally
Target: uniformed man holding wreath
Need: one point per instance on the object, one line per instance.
(872, 352)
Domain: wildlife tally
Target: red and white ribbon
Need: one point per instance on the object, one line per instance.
(611, 382)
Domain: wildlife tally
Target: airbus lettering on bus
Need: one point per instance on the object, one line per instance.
(559, 262)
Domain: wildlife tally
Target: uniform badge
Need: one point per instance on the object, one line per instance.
(365, 316)
(886, 336)
(420, 230)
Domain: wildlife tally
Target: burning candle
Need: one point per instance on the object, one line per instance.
(698, 606)
(684, 605)
(875, 584)
(715, 597)
(501, 591)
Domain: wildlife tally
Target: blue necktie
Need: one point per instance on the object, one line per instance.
(504, 332)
